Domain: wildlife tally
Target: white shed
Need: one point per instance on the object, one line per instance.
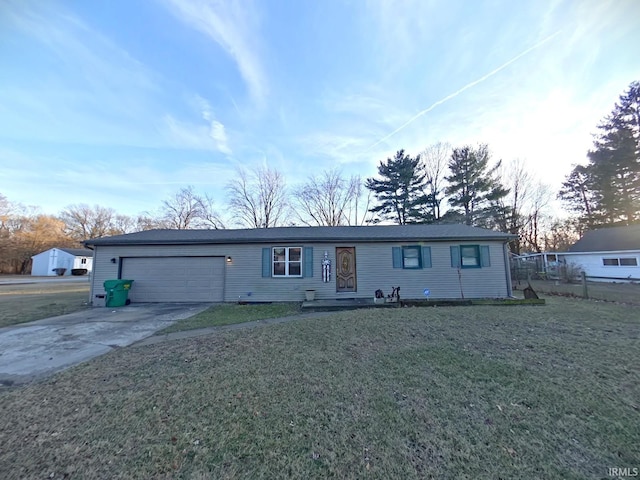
(45, 264)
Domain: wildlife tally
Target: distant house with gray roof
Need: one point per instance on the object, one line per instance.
(280, 264)
(48, 263)
(607, 254)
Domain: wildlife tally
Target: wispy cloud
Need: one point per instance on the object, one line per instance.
(87, 90)
(188, 135)
(207, 134)
(101, 181)
(219, 135)
(465, 88)
(340, 148)
(231, 25)
(94, 58)
(401, 30)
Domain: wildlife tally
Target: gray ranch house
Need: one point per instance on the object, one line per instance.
(280, 264)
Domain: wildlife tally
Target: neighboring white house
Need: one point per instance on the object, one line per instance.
(47, 262)
(607, 254)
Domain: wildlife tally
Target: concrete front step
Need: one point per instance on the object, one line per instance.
(346, 304)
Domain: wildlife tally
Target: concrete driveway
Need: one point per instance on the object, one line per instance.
(32, 350)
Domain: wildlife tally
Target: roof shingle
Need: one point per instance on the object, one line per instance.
(309, 234)
(78, 252)
(608, 239)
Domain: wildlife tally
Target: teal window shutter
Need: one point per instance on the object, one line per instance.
(266, 262)
(397, 257)
(455, 256)
(426, 257)
(485, 260)
(308, 261)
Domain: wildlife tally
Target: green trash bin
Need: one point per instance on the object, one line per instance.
(117, 292)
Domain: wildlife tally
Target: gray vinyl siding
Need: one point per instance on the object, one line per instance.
(244, 281)
(375, 271)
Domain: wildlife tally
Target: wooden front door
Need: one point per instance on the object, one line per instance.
(346, 269)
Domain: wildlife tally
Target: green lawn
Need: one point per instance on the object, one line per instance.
(228, 314)
(468, 393)
(28, 302)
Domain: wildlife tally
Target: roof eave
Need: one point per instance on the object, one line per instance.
(245, 241)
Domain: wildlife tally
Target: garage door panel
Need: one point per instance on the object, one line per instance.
(175, 279)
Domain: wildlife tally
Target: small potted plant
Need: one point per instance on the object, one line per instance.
(378, 297)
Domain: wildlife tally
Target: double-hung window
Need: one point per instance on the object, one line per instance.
(287, 261)
(412, 257)
(469, 256)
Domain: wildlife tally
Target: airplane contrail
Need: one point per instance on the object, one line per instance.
(466, 87)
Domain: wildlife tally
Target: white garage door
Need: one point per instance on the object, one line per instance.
(175, 279)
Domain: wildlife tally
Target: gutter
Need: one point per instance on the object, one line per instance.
(99, 242)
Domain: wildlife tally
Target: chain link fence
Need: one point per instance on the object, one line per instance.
(557, 278)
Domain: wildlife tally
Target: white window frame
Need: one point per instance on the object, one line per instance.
(287, 262)
(618, 261)
(470, 261)
(408, 259)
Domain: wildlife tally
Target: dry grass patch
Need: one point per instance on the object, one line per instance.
(29, 302)
(610, 292)
(473, 392)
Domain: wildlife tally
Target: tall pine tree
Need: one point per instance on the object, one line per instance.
(607, 190)
(401, 190)
(474, 191)
(578, 192)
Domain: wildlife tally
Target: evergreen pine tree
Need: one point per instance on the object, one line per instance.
(607, 190)
(401, 190)
(473, 190)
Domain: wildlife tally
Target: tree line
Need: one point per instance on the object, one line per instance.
(441, 184)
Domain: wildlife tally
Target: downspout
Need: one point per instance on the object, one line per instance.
(507, 269)
(91, 275)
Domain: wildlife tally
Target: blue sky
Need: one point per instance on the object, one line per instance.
(121, 103)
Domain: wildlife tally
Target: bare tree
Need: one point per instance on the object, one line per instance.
(187, 210)
(83, 222)
(561, 234)
(434, 159)
(39, 233)
(181, 209)
(326, 199)
(25, 232)
(147, 221)
(532, 230)
(5, 212)
(209, 217)
(523, 207)
(360, 216)
(258, 198)
(518, 179)
(124, 224)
